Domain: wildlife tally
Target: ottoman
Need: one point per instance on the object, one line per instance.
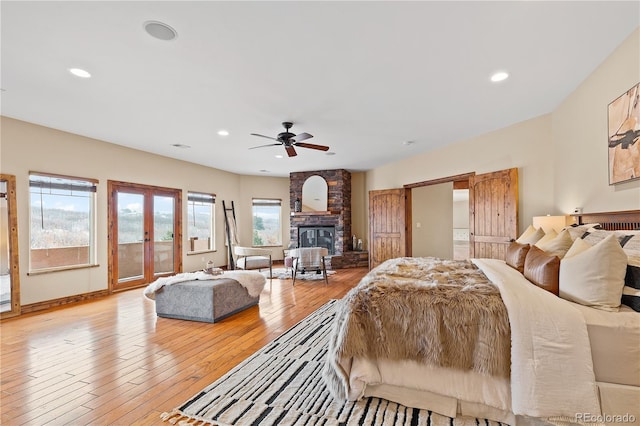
(207, 300)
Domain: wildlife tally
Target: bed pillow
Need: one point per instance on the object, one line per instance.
(531, 238)
(559, 245)
(577, 231)
(530, 230)
(516, 254)
(542, 269)
(594, 276)
(548, 236)
(631, 290)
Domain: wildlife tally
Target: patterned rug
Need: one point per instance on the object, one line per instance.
(281, 384)
(287, 273)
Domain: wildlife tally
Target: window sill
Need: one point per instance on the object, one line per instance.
(61, 268)
(193, 253)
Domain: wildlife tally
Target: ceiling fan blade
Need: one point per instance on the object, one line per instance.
(312, 146)
(263, 136)
(301, 137)
(262, 146)
(291, 151)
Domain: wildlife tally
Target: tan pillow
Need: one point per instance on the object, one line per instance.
(542, 269)
(547, 237)
(594, 276)
(531, 238)
(559, 245)
(516, 254)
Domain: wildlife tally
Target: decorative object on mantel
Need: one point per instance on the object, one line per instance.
(624, 137)
(359, 245)
(297, 206)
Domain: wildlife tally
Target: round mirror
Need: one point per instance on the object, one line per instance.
(314, 194)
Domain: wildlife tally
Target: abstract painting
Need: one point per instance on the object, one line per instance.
(624, 137)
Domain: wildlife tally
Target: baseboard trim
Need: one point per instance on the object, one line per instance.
(48, 304)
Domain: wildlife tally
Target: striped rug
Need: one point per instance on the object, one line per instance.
(282, 384)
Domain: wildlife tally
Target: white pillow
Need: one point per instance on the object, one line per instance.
(547, 237)
(530, 230)
(557, 246)
(594, 276)
(531, 238)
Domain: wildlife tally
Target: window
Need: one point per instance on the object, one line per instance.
(267, 222)
(201, 215)
(62, 222)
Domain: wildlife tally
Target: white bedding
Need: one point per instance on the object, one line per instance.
(552, 375)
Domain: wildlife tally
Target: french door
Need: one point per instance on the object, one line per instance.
(144, 234)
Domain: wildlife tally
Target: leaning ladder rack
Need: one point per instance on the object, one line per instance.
(231, 265)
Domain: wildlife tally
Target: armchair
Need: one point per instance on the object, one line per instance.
(253, 258)
(309, 258)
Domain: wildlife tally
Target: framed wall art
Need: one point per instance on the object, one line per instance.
(624, 137)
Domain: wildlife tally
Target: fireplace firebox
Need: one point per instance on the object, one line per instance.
(317, 236)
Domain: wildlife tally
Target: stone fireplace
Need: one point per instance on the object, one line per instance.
(336, 218)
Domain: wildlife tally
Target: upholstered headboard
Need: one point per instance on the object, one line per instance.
(611, 221)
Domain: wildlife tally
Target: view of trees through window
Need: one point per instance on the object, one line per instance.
(267, 222)
(200, 219)
(61, 219)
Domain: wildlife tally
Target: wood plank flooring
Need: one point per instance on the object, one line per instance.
(113, 362)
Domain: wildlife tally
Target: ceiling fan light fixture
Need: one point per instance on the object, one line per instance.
(279, 156)
(160, 30)
(330, 153)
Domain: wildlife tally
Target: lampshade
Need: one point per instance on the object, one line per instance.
(549, 222)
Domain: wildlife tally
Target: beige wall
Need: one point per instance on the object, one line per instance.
(27, 147)
(524, 145)
(432, 209)
(580, 137)
(561, 157)
(359, 202)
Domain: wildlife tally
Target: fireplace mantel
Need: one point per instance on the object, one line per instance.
(314, 213)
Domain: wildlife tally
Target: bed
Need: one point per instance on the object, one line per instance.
(488, 339)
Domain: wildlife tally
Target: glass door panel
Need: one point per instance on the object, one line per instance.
(5, 269)
(163, 234)
(131, 236)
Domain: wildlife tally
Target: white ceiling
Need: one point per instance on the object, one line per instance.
(362, 77)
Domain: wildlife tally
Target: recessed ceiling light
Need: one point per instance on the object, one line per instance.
(223, 132)
(407, 143)
(180, 145)
(79, 72)
(160, 30)
(264, 171)
(279, 156)
(330, 153)
(499, 76)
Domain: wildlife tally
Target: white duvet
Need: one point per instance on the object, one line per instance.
(551, 368)
(552, 373)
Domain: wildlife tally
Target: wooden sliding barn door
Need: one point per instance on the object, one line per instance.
(493, 205)
(389, 220)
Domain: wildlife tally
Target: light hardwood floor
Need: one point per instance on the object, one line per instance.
(113, 362)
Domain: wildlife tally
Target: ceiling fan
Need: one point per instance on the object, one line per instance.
(291, 140)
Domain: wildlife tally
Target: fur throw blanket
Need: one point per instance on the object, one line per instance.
(251, 280)
(439, 312)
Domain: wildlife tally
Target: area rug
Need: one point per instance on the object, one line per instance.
(287, 273)
(281, 384)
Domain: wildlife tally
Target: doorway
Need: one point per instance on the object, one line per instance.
(145, 234)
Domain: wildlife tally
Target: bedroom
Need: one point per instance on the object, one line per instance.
(550, 151)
